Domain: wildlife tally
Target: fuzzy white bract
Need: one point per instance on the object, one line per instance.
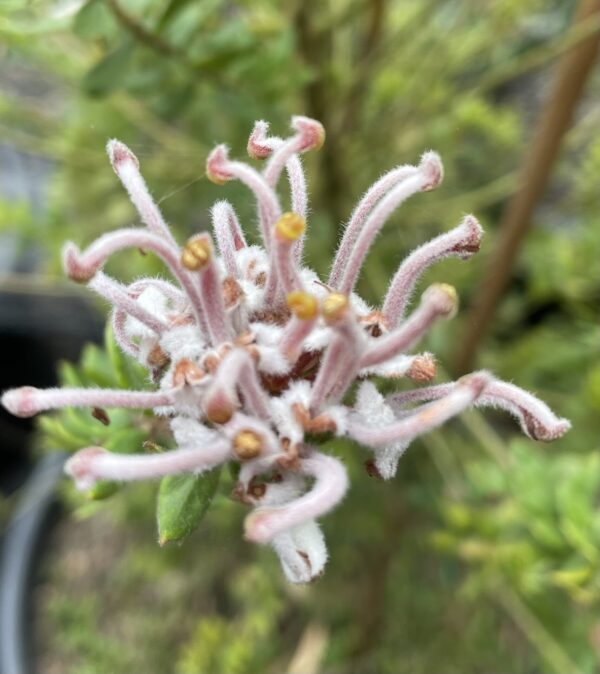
(250, 352)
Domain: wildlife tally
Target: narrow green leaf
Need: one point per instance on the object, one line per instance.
(110, 72)
(80, 423)
(95, 367)
(102, 490)
(57, 436)
(116, 358)
(68, 374)
(576, 498)
(125, 441)
(182, 503)
(234, 470)
(125, 371)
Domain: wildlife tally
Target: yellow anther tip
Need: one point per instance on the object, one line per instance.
(219, 414)
(247, 445)
(196, 253)
(302, 305)
(216, 178)
(444, 297)
(320, 141)
(290, 226)
(334, 305)
(450, 292)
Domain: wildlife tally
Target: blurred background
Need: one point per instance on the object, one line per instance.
(483, 554)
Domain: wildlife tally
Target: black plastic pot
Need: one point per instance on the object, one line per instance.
(22, 549)
(40, 324)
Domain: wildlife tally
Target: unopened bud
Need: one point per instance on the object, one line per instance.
(258, 147)
(74, 268)
(313, 132)
(219, 408)
(303, 305)
(432, 169)
(196, 253)
(422, 369)
(216, 165)
(247, 445)
(119, 153)
(82, 466)
(290, 226)
(21, 401)
(472, 240)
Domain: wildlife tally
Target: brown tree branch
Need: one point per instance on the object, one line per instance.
(314, 47)
(140, 32)
(363, 68)
(573, 71)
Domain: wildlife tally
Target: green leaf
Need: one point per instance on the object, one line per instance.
(94, 21)
(125, 372)
(57, 436)
(109, 73)
(182, 503)
(102, 490)
(79, 422)
(116, 357)
(94, 367)
(576, 498)
(68, 375)
(125, 441)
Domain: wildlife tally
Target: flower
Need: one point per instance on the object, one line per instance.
(251, 353)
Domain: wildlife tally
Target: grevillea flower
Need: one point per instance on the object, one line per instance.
(251, 353)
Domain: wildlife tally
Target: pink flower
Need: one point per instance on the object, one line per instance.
(251, 351)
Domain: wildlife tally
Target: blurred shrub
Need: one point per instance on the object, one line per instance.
(483, 554)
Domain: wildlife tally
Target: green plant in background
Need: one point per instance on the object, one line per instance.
(219, 645)
(418, 608)
(379, 77)
(539, 538)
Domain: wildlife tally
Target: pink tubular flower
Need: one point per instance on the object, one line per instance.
(251, 352)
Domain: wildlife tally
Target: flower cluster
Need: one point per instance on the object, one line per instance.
(252, 356)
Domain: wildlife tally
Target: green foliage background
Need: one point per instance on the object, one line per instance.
(482, 555)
